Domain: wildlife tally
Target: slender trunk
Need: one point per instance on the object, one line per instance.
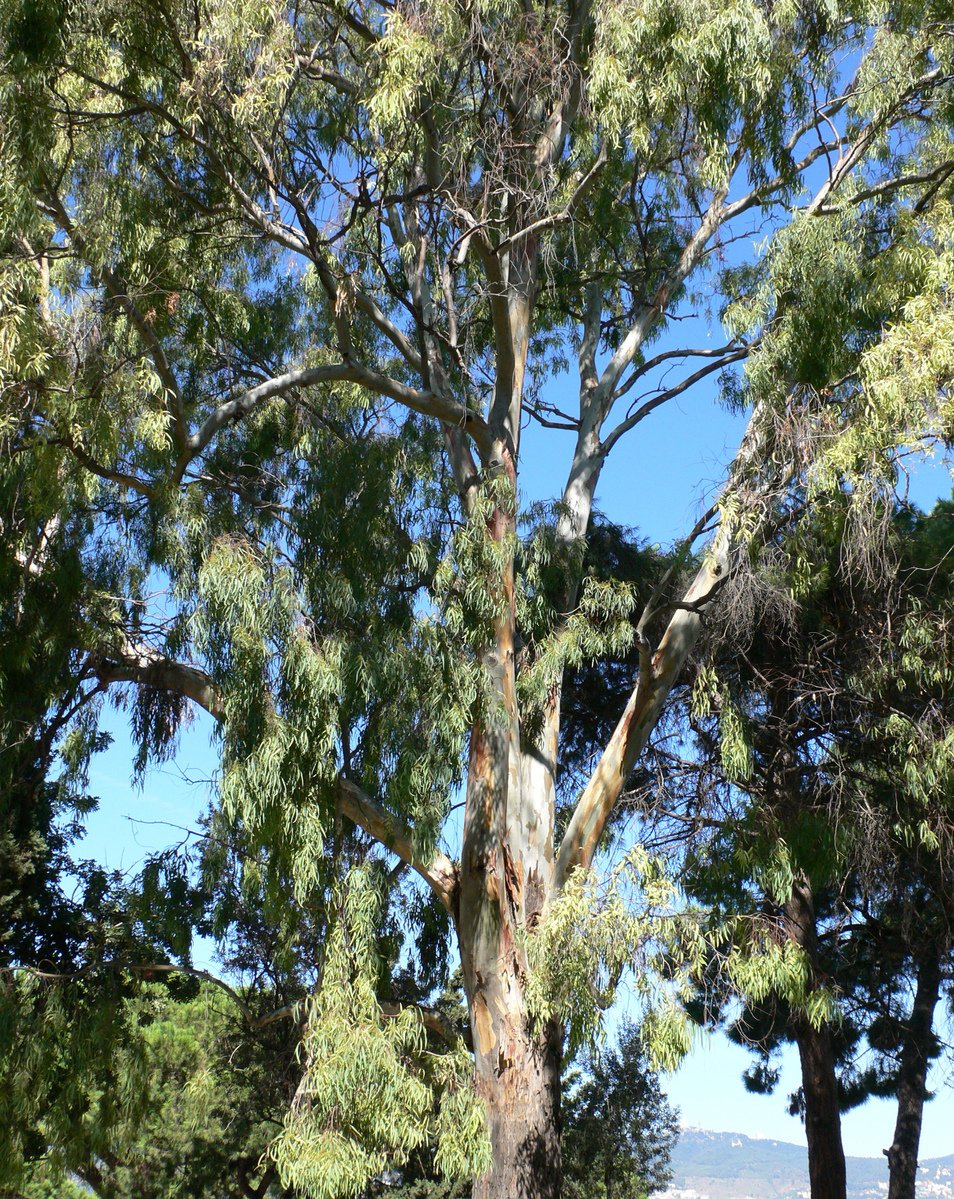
(918, 1049)
(826, 1154)
(505, 873)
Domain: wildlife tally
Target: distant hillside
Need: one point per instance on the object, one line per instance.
(724, 1165)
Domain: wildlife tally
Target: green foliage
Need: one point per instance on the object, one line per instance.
(591, 934)
(44, 1184)
(73, 1071)
(599, 929)
(848, 803)
(371, 1094)
(205, 1105)
(265, 275)
(618, 1129)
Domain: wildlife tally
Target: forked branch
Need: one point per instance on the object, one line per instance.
(657, 677)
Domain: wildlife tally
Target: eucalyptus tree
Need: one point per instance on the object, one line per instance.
(283, 286)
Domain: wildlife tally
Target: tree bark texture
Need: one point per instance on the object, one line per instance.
(826, 1154)
(518, 1065)
(518, 1077)
(918, 1048)
(505, 874)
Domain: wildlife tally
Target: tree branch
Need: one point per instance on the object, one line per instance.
(425, 402)
(439, 872)
(692, 252)
(133, 663)
(663, 397)
(141, 664)
(937, 177)
(644, 368)
(140, 486)
(566, 213)
(657, 677)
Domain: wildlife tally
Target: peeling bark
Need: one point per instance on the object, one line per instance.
(519, 1080)
(505, 874)
(517, 1067)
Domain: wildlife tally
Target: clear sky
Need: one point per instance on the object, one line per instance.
(656, 482)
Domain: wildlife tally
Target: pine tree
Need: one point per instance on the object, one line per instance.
(618, 1129)
(833, 830)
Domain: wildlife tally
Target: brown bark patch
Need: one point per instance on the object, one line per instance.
(513, 877)
(483, 1026)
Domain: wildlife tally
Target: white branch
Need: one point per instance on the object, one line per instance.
(425, 402)
(438, 871)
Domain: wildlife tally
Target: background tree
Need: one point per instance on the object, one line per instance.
(212, 1099)
(834, 830)
(618, 1129)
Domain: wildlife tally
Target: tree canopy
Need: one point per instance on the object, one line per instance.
(282, 289)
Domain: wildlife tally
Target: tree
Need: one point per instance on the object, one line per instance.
(618, 1129)
(282, 288)
(839, 813)
(213, 1098)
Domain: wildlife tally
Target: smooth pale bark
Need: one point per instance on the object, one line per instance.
(506, 868)
(826, 1154)
(136, 663)
(438, 871)
(636, 724)
(918, 1049)
(660, 670)
(517, 1067)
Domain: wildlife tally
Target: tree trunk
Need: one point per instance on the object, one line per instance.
(917, 1051)
(506, 870)
(517, 1065)
(826, 1154)
(519, 1081)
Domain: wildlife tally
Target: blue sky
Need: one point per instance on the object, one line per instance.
(656, 482)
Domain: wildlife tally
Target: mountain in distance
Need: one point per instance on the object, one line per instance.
(728, 1165)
